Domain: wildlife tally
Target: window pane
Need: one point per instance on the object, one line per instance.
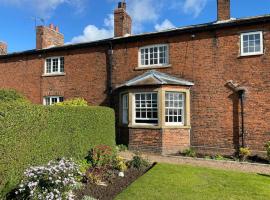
(62, 63)
(48, 65)
(125, 109)
(174, 107)
(55, 65)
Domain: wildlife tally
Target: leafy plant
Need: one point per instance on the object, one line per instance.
(73, 102)
(56, 180)
(84, 165)
(101, 156)
(122, 147)
(119, 164)
(190, 152)
(244, 152)
(139, 162)
(267, 146)
(219, 157)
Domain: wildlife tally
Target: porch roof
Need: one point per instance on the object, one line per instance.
(154, 77)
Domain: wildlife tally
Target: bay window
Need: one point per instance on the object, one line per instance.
(174, 108)
(146, 110)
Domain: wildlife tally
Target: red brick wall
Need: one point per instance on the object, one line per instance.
(175, 140)
(86, 76)
(146, 140)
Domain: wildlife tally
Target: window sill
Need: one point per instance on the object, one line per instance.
(153, 67)
(143, 126)
(250, 55)
(49, 75)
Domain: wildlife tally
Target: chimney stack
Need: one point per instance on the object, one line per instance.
(47, 37)
(3, 48)
(122, 21)
(224, 10)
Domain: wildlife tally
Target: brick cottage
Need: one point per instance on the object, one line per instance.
(205, 86)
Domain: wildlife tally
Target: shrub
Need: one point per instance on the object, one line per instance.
(138, 162)
(244, 152)
(119, 164)
(189, 152)
(122, 147)
(33, 135)
(73, 102)
(219, 157)
(267, 146)
(56, 180)
(12, 96)
(101, 156)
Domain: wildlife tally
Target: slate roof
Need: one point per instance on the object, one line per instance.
(154, 77)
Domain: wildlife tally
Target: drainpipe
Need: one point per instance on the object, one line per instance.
(110, 70)
(241, 93)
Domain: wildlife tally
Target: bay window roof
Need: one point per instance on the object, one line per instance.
(154, 77)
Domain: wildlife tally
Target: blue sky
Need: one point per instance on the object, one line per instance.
(86, 20)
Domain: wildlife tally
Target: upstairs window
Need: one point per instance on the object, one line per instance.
(156, 55)
(252, 43)
(174, 108)
(146, 110)
(54, 65)
(48, 101)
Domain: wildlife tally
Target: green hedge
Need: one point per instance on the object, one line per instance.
(33, 134)
(12, 96)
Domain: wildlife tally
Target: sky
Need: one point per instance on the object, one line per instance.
(89, 20)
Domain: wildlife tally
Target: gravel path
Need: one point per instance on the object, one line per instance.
(225, 165)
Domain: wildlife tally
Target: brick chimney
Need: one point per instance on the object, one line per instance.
(3, 48)
(224, 10)
(47, 37)
(122, 21)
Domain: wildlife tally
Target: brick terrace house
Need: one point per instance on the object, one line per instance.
(206, 86)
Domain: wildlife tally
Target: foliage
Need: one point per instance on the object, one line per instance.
(244, 152)
(267, 146)
(168, 181)
(101, 155)
(119, 164)
(88, 198)
(11, 96)
(219, 157)
(73, 102)
(34, 135)
(190, 152)
(122, 147)
(138, 162)
(84, 165)
(56, 180)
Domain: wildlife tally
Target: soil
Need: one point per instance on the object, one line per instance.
(116, 186)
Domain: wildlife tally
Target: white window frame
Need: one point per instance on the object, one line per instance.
(58, 67)
(261, 43)
(50, 99)
(154, 65)
(134, 110)
(125, 110)
(182, 123)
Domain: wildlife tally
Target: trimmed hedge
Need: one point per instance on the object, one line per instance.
(33, 135)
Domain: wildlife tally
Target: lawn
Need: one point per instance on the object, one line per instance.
(166, 181)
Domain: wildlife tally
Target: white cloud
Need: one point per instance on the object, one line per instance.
(45, 8)
(166, 24)
(92, 32)
(143, 11)
(194, 7)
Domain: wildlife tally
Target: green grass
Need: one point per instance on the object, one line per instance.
(166, 181)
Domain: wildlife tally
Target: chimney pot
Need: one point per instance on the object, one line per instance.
(51, 26)
(122, 5)
(3, 48)
(223, 10)
(57, 28)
